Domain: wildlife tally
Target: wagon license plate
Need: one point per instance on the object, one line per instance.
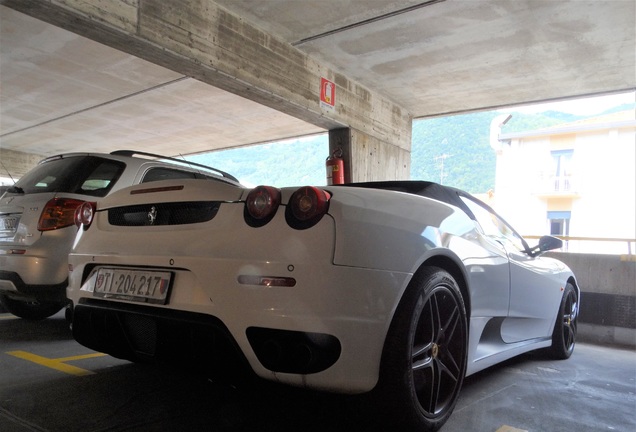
(133, 285)
(8, 223)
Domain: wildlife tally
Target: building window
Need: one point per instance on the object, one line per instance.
(562, 170)
(559, 223)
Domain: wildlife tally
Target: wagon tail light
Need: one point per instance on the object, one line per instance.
(58, 213)
(84, 214)
(305, 207)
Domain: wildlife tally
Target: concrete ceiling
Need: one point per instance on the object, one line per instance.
(61, 92)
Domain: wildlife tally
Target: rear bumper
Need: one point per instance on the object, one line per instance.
(40, 270)
(12, 285)
(135, 332)
(326, 333)
(196, 340)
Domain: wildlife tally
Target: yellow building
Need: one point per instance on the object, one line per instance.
(576, 179)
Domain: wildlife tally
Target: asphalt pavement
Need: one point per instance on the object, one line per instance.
(48, 382)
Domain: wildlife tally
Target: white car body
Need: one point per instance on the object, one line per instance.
(351, 270)
(33, 260)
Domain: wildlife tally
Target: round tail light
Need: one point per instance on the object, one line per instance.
(261, 205)
(306, 207)
(84, 214)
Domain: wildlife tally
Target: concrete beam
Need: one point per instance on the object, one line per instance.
(200, 39)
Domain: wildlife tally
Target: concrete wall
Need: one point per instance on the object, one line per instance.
(608, 296)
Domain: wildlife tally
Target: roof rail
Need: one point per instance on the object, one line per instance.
(131, 153)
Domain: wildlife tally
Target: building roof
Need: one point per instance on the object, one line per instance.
(617, 120)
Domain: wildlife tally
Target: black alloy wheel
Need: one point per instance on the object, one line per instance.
(564, 334)
(424, 360)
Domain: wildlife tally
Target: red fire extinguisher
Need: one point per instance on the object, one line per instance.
(335, 168)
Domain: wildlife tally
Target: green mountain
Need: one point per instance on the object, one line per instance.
(294, 162)
(453, 150)
(456, 150)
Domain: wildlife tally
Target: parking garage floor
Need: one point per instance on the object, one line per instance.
(48, 382)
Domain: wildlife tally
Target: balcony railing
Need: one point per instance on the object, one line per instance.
(556, 185)
(552, 185)
(562, 183)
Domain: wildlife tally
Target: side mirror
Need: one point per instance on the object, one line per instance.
(547, 243)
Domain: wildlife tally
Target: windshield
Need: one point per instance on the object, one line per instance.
(86, 175)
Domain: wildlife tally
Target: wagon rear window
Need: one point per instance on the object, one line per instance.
(86, 175)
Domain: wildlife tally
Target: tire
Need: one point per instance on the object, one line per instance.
(424, 358)
(30, 310)
(564, 334)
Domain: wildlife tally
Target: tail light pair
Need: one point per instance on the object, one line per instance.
(63, 212)
(305, 208)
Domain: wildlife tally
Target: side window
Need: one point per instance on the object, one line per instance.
(493, 225)
(161, 173)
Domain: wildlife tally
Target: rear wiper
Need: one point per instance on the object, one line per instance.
(15, 190)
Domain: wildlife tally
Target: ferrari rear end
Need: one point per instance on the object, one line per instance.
(222, 277)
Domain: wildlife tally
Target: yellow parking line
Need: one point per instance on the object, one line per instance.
(58, 364)
(506, 428)
(7, 317)
(81, 357)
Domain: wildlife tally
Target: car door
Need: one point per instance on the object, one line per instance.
(532, 286)
(533, 294)
(488, 268)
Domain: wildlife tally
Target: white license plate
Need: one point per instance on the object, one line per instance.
(133, 285)
(8, 223)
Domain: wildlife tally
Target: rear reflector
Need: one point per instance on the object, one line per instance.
(268, 281)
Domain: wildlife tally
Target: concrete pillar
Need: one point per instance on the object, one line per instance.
(367, 158)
